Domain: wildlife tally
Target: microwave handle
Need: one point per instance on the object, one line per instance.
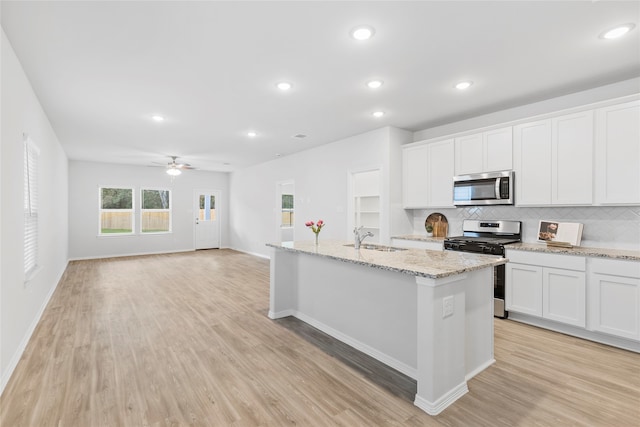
(498, 180)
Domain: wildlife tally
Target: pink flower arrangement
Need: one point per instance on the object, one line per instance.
(315, 227)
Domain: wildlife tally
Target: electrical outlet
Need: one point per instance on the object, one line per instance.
(447, 306)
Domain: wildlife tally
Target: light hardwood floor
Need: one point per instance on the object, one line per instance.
(184, 339)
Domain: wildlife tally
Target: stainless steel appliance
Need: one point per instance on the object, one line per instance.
(492, 188)
(488, 237)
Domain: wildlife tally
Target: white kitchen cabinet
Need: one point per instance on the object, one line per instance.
(617, 154)
(484, 152)
(564, 293)
(545, 285)
(553, 161)
(427, 175)
(523, 292)
(497, 149)
(532, 163)
(468, 154)
(614, 298)
(572, 159)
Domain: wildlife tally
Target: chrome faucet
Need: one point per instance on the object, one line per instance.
(360, 237)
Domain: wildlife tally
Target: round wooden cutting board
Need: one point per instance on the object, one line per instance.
(439, 223)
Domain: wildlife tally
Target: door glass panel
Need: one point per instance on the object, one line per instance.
(207, 207)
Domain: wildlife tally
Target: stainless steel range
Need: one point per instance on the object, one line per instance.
(488, 237)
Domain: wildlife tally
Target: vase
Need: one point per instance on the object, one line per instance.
(317, 239)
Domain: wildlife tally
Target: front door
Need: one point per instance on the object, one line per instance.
(207, 221)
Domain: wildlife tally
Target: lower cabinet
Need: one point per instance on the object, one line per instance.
(524, 289)
(564, 296)
(614, 298)
(540, 288)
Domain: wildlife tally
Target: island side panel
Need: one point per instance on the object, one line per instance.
(453, 345)
(441, 343)
(479, 322)
(283, 282)
(371, 309)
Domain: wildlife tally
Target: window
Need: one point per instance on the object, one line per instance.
(116, 211)
(31, 154)
(155, 215)
(207, 208)
(287, 210)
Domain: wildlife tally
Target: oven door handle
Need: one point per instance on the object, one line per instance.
(497, 188)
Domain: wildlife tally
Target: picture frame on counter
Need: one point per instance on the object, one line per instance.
(556, 233)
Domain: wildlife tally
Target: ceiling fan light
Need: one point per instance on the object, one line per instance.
(174, 171)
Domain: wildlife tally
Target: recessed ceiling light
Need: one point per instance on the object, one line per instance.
(284, 85)
(299, 136)
(374, 84)
(617, 32)
(251, 134)
(158, 118)
(278, 155)
(362, 32)
(377, 114)
(463, 85)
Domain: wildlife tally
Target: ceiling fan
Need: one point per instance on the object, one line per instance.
(174, 168)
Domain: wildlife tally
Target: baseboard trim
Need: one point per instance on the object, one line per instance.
(434, 408)
(13, 363)
(251, 253)
(280, 314)
(358, 345)
(132, 254)
(576, 331)
(479, 369)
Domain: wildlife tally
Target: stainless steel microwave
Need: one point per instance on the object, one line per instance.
(491, 188)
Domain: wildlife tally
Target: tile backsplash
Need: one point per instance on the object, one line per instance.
(607, 227)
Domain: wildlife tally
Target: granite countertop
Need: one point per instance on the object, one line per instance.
(420, 238)
(416, 262)
(620, 254)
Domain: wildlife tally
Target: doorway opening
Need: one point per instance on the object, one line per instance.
(285, 193)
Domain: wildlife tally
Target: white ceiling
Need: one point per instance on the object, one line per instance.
(102, 69)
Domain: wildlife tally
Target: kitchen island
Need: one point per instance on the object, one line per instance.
(428, 314)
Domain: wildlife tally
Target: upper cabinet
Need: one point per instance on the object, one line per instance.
(617, 154)
(589, 157)
(532, 163)
(553, 160)
(427, 175)
(484, 152)
(572, 159)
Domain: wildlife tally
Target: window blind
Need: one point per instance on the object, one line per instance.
(31, 154)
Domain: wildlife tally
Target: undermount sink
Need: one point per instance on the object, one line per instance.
(380, 248)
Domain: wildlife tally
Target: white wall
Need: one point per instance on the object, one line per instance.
(321, 189)
(86, 177)
(21, 304)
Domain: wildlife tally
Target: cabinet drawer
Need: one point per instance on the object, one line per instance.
(567, 262)
(615, 267)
